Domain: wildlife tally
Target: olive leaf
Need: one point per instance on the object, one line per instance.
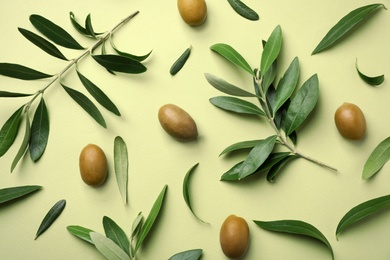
(236, 105)
(13, 193)
(295, 227)
(193, 254)
(361, 211)
(275, 169)
(77, 26)
(271, 50)
(179, 63)
(137, 224)
(377, 159)
(121, 166)
(226, 87)
(243, 10)
(108, 248)
(24, 145)
(229, 53)
(129, 55)
(374, 81)
(21, 72)
(239, 146)
(119, 63)
(54, 32)
(89, 27)
(347, 24)
(80, 232)
(9, 131)
(50, 217)
(40, 129)
(116, 234)
(7, 94)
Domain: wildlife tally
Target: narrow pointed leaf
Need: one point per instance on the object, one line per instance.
(89, 27)
(139, 58)
(81, 232)
(361, 211)
(373, 81)
(244, 10)
(296, 227)
(239, 146)
(136, 226)
(236, 105)
(121, 166)
(348, 23)
(302, 104)
(7, 94)
(21, 72)
(269, 77)
(40, 129)
(116, 234)
(108, 248)
(226, 87)
(275, 169)
(42, 43)
(13, 193)
(86, 104)
(50, 217)
(120, 63)
(193, 254)
(9, 131)
(233, 56)
(377, 159)
(153, 214)
(77, 26)
(24, 145)
(271, 50)
(179, 63)
(54, 32)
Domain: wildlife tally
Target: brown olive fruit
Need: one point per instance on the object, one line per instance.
(193, 12)
(93, 165)
(234, 237)
(177, 122)
(350, 121)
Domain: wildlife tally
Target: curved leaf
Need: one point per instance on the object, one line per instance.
(361, 211)
(345, 25)
(9, 131)
(116, 234)
(179, 63)
(239, 146)
(21, 72)
(81, 232)
(226, 87)
(121, 166)
(54, 32)
(13, 193)
(275, 169)
(243, 10)
(374, 81)
(128, 55)
(77, 26)
(271, 50)
(136, 226)
(24, 144)
(379, 157)
(40, 129)
(119, 63)
(108, 248)
(89, 27)
(50, 217)
(236, 105)
(233, 56)
(193, 254)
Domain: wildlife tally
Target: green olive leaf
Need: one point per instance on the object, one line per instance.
(139, 58)
(179, 63)
(80, 232)
(295, 227)
(269, 77)
(121, 166)
(54, 32)
(9, 131)
(347, 24)
(229, 53)
(377, 159)
(239, 146)
(40, 129)
(77, 26)
(50, 217)
(108, 248)
(13, 193)
(21, 72)
(193, 254)
(86, 104)
(24, 145)
(119, 63)
(243, 10)
(361, 211)
(301, 104)
(136, 226)
(116, 234)
(373, 81)
(271, 50)
(226, 87)
(275, 169)
(236, 105)
(42, 43)
(7, 94)
(89, 27)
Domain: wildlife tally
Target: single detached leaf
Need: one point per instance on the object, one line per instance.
(9, 131)
(379, 157)
(42, 43)
(346, 25)
(179, 63)
(121, 166)
(361, 211)
(139, 58)
(295, 227)
(40, 129)
(108, 248)
(193, 254)
(54, 32)
(275, 169)
(86, 104)
(50, 217)
(233, 56)
(271, 50)
(236, 105)
(153, 214)
(302, 104)
(374, 81)
(239, 146)
(226, 87)
(7, 94)
(21, 72)
(243, 10)
(80, 232)
(9, 194)
(116, 234)
(24, 144)
(120, 63)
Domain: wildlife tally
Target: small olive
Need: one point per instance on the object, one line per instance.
(193, 12)
(350, 121)
(234, 237)
(93, 165)
(177, 122)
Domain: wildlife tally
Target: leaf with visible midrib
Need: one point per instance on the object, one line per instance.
(271, 50)
(121, 166)
(9, 194)
(40, 129)
(119, 63)
(50, 217)
(116, 234)
(193, 254)
(108, 248)
(81, 232)
(226, 87)
(373, 81)
(179, 63)
(9, 131)
(236, 105)
(379, 157)
(21, 72)
(243, 10)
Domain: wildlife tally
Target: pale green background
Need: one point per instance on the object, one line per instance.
(303, 191)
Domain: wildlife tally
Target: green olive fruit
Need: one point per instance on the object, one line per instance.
(177, 123)
(193, 12)
(93, 165)
(234, 237)
(350, 121)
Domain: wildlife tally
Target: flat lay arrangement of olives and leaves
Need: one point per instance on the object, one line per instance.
(283, 104)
